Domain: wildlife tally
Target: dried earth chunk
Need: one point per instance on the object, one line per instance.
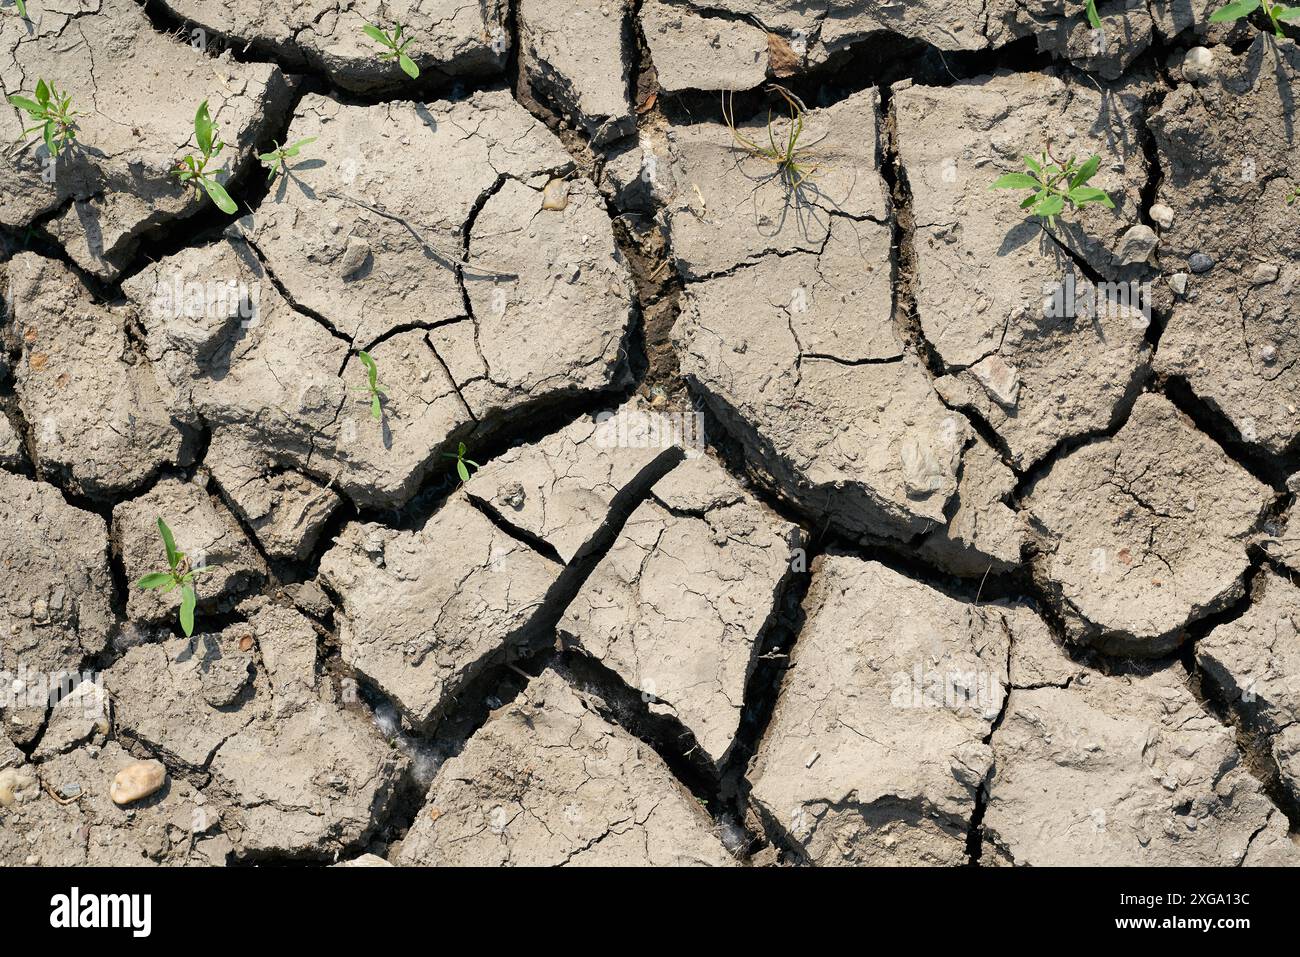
(282, 395)
(447, 37)
(731, 208)
(286, 510)
(1124, 770)
(422, 612)
(574, 52)
(185, 697)
(368, 229)
(84, 827)
(549, 782)
(560, 490)
(1142, 534)
(553, 322)
(820, 38)
(1228, 156)
(875, 753)
(1254, 659)
(98, 421)
(834, 414)
(116, 185)
(296, 775)
(204, 530)
(55, 608)
(691, 52)
(679, 604)
(1037, 350)
(11, 445)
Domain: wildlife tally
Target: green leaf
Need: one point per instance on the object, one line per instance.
(169, 543)
(1090, 194)
(376, 411)
(1234, 11)
(1085, 172)
(25, 104)
(460, 449)
(42, 92)
(376, 34)
(372, 370)
(1288, 13)
(48, 136)
(1051, 206)
(188, 601)
(217, 193)
(153, 580)
(203, 129)
(1029, 201)
(462, 471)
(297, 147)
(1015, 181)
(409, 67)
(473, 463)
(1094, 21)
(22, 8)
(1033, 164)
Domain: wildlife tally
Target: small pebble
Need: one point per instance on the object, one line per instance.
(355, 257)
(1265, 273)
(1178, 283)
(556, 195)
(1162, 215)
(1200, 263)
(17, 785)
(1198, 65)
(1137, 245)
(136, 781)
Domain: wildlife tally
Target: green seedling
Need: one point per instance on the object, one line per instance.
(53, 116)
(179, 575)
(462, 463)
(395, 46)
(1277, 12)
(22, 9)
(1293, 196)
(373, 389)
(1054, 184)
(1094, 21)
(276, 160)
(791, 159)
(194, 169)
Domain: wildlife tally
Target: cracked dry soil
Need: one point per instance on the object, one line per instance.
(859, 520)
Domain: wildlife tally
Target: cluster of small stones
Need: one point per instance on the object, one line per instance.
(854, 522)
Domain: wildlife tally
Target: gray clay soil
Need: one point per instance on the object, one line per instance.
(857, 519)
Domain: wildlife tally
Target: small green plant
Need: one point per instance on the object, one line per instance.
(373, 389)
(194, 169)
(22, 9)
(1094, 21)
(792, 160)
(179, 575)
(1277, 12)
(395, 46)
(1293, 196)
(1054, 184)
(275, 161)
(462, 463)
(54, 117)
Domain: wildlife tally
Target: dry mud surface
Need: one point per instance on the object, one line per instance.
(864, 520)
